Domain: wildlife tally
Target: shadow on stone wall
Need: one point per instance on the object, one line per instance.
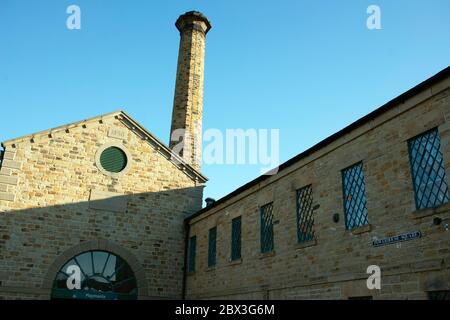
(146, 229)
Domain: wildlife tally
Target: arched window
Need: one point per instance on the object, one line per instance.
(97, 275)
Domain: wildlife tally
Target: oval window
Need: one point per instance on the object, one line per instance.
(113, 159)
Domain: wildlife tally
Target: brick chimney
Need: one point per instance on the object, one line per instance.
(186, 130)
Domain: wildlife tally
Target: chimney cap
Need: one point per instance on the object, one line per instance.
(191, 16)
(209, 201)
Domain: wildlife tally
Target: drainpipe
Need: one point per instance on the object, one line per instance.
(2, 154)
(186, 246)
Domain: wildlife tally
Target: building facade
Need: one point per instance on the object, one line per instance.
(101, 209)
(105, 199)
(373, 194)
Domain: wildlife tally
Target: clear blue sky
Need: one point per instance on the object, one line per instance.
(308, 68)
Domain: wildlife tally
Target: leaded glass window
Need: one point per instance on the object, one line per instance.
(212, 244)
(354, 191)
(305, 220)
(267, 228)
(192, 253)
(236, 225)
(428, 171)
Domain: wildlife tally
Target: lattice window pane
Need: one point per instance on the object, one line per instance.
(212, 244)
(236, 225)
(305, 220)
(428, 171)
(267, 228)
(192, 253)
(355, 204)
(439, 295)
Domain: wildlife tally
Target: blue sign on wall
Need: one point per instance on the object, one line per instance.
(400, 238)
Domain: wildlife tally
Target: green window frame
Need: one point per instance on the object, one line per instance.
(427, 170)
(212, 247)
(354, 194)
(236, 238)
(267, 242)
(305, 219)
(192, 253)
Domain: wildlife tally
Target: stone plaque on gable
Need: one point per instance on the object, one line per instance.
(117, 133)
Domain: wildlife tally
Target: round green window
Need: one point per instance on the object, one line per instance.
(113, 160)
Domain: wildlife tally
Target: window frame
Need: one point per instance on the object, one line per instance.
(345, 197)
(236, 256)
(99, 153)
(264, 229)
(212, 247)
(105, 162)
(304, 239)
(192, 254)
(118, 280)
(419, 204)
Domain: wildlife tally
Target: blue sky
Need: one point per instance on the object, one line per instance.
(308, 68)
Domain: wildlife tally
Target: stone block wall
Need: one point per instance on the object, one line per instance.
(54, 197)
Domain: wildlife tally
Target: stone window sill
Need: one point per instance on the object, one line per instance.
(362, 229)
(209, 269)
(306, 244)
(235, 262)
(267, 254)
(422, 213)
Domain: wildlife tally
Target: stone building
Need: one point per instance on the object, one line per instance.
(374, 193)
(103, 201)
(106, 196)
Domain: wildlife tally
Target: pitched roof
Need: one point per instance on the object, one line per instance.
(136, 128)
(443, 74)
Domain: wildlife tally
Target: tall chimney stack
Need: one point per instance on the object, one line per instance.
(186, 130)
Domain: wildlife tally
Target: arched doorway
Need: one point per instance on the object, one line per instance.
(95, 275)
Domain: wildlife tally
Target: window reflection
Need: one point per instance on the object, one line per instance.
(103, 275)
